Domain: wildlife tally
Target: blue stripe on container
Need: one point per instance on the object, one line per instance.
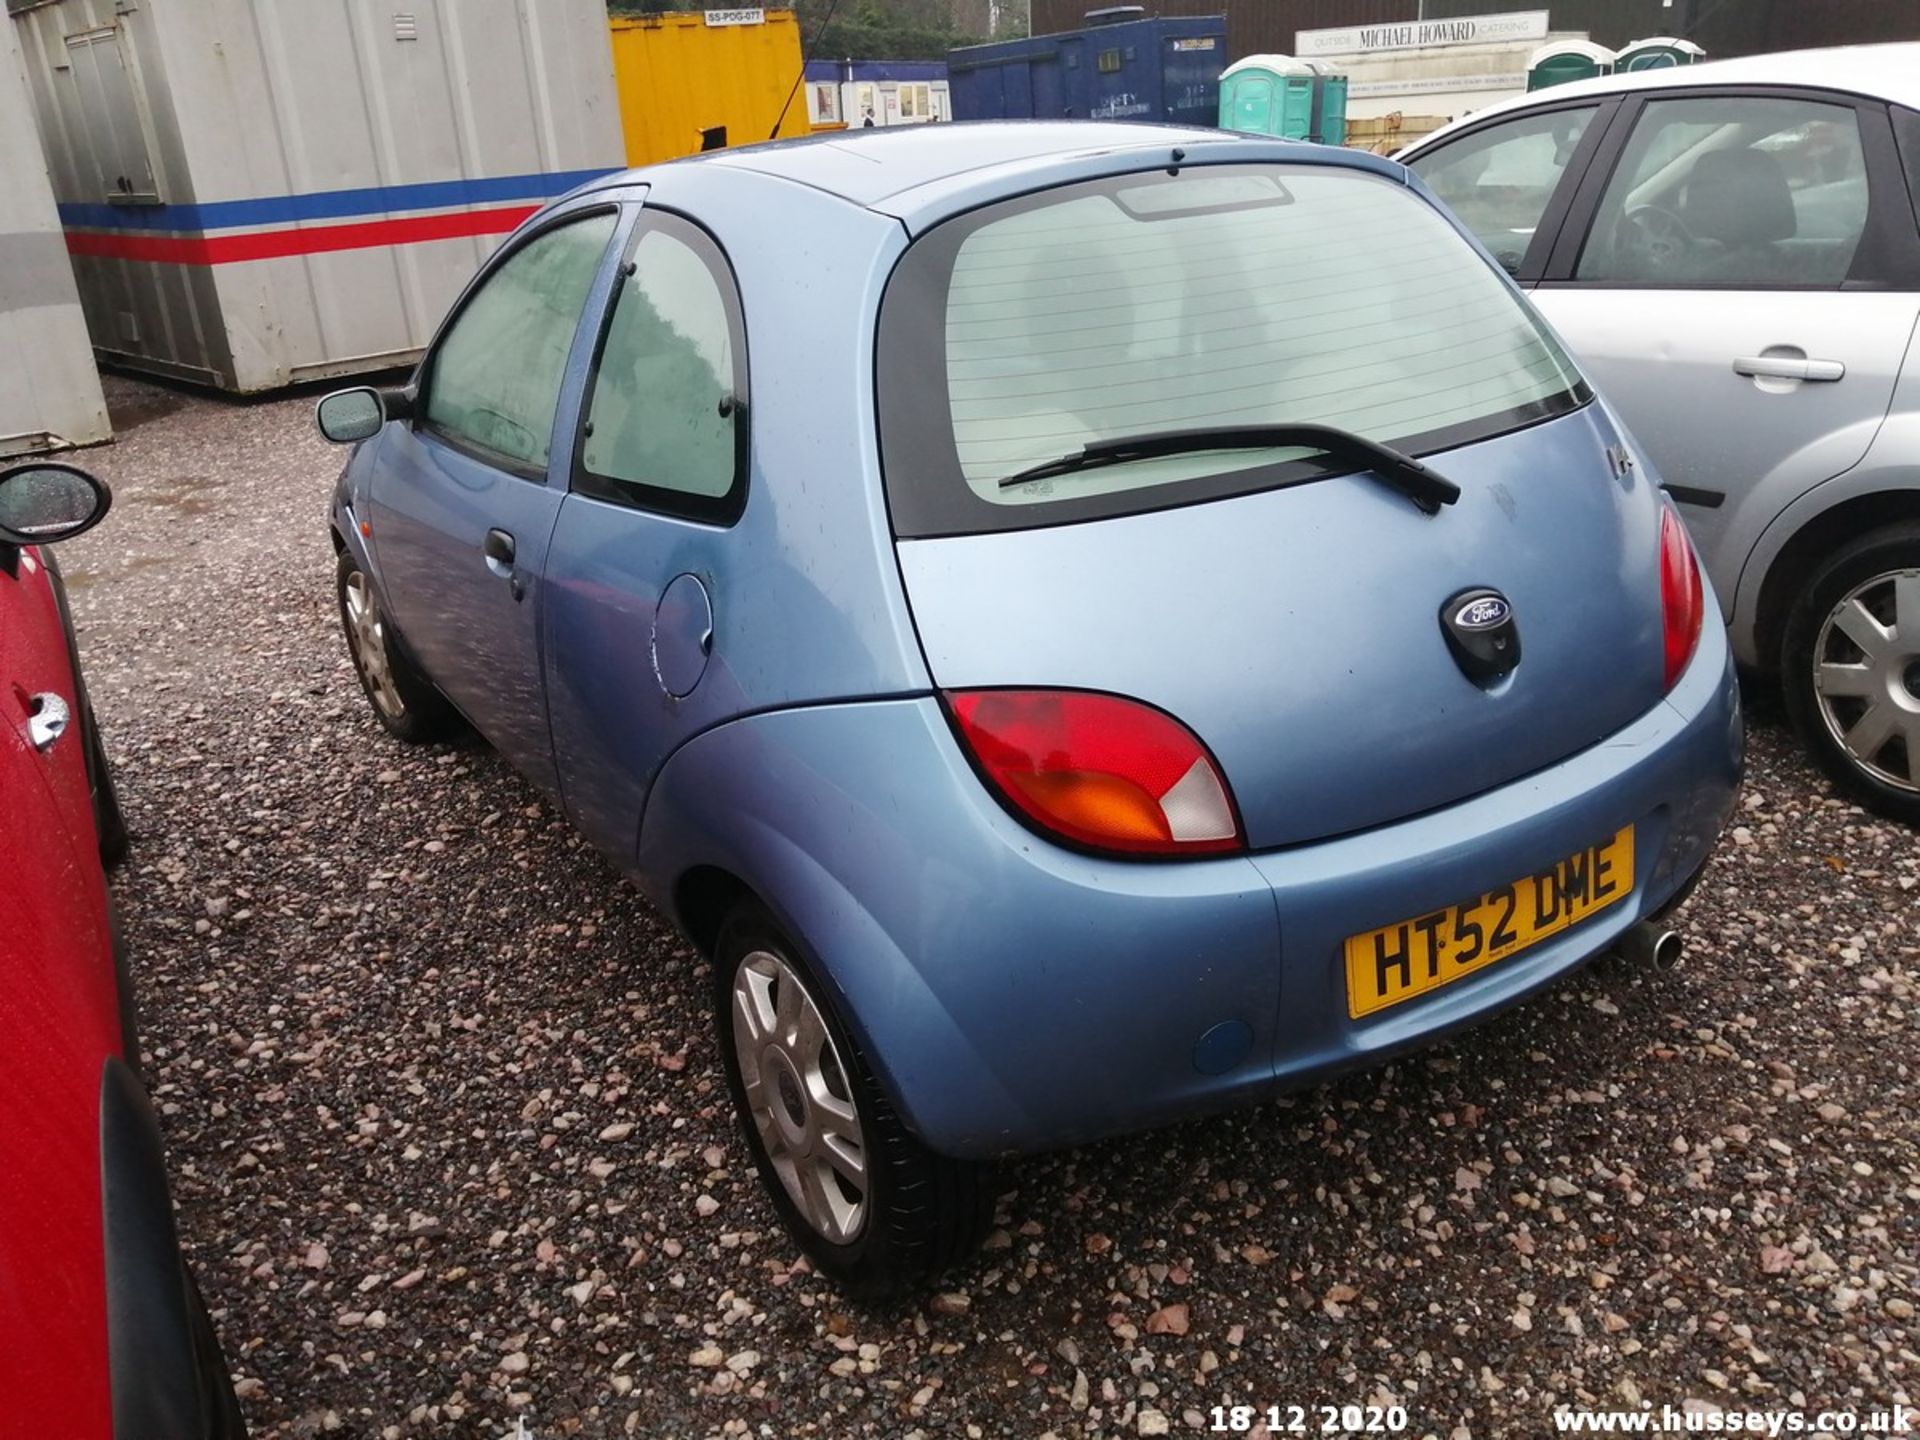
(327, 204)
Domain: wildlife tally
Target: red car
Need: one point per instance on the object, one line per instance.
(102, 1332)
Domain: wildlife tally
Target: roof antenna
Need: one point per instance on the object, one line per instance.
(805, 56)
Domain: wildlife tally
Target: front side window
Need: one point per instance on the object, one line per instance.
(1500, 180)
(494, 380)
(1745, 191)
(666, 418)
(1219, 297)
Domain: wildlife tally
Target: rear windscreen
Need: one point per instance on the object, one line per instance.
(1219, 296)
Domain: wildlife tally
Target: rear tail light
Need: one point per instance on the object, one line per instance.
(1100, 771)
(1681, 600)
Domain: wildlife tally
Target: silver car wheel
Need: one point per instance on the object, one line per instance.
(367, 639)
(1866, 677)
(799, 1096)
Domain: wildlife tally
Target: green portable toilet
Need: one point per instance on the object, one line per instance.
(1268, 95)
(1329, 104)
(1566, 60)
(1657, 52)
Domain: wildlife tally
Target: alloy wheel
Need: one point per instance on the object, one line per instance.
(367, 639)
(799, 1096)
(1866, 677)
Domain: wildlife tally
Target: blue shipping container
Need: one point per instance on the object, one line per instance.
(1166, 69)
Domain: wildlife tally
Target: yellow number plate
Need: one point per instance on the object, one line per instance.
(1398, 962)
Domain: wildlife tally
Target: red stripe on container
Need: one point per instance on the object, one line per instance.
(314, 240)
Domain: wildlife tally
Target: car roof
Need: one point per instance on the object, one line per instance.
(1881, 72)
(868, 167)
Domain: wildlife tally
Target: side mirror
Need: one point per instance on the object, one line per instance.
(349, 416)
(47, 501)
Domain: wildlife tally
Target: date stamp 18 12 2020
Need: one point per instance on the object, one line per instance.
(1308, 1419)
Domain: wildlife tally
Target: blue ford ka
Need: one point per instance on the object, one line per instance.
(1082, 624)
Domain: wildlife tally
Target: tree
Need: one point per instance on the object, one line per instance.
(856, 29)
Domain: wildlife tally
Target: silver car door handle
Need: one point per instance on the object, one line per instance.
(47, 720)
(1783, 367)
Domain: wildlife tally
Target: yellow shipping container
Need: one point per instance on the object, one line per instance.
(681, 79)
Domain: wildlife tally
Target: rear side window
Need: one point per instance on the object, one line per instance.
(666, 419)
(1906, 130)
(1218, 297)
(494, 380)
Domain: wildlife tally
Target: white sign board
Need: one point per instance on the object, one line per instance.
(737, 17)
(1422, 34)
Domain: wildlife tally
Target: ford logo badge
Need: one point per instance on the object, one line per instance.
(1483, 612)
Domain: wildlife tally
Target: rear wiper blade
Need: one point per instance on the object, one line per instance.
(1426, 488)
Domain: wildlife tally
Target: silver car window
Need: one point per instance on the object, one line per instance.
(1747, 191)
(1498, 181)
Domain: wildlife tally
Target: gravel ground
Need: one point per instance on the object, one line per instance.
(451, 1149)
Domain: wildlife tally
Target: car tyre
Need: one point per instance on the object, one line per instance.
(110, 822)
(919, 1213)
(404, 701)
(219, 1406)
(1850, 669)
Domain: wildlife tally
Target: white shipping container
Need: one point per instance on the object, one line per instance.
(49, 388)
(885, 102)
(258, 192)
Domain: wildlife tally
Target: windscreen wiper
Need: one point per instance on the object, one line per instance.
(1424, 487)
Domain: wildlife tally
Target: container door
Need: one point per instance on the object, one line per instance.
(115, 134)
(1246, 103)
(637, 594)
(1189, 80)
(1042, 89)
(1296, 120)
(463, 499)
(1332, 91)
(1733, 284)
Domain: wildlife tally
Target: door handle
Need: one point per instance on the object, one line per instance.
(1789, 367)
(498, 548)
(47, 718)
(499, 551)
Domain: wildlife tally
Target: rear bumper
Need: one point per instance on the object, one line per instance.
(1014, 996)
(1672, 775)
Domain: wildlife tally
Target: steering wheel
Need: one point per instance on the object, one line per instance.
(1655, 235)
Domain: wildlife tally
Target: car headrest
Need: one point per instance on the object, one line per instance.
(1739, 197)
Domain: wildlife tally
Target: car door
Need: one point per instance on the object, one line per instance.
(1737, 275)
(465, 494)
(56, 951)
(636, 573)
(40, 695)
(1509, 180)
(57, 1026)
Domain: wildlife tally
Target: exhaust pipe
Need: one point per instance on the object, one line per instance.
(1651, 944)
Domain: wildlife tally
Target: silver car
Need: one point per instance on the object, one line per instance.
(1733, 252)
